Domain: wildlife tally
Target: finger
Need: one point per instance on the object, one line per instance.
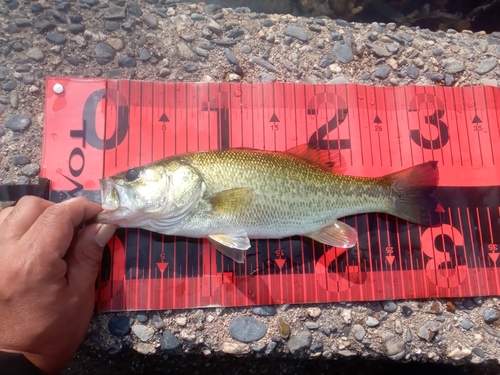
(22, 216)
(4, 213)
(54, 230)
(85, 256)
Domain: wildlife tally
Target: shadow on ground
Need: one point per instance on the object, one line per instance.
(131, 362)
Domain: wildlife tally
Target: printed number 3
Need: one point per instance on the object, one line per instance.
(434, 267)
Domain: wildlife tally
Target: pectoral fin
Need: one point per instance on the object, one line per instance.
(232, 245)
(232, 200)
(336, 234)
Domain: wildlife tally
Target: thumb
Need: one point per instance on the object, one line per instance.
(85, 255)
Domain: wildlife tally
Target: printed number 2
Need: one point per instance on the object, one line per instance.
(435, 266)
(318, 139)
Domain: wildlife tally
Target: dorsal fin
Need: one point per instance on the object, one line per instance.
(330, 159)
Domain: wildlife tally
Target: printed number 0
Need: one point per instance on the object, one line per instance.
(439, 258)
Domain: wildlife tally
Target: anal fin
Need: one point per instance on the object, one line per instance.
(336, 234)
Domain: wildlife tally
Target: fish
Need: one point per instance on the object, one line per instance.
(234, 195)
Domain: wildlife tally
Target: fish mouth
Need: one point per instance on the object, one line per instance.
(110, 199)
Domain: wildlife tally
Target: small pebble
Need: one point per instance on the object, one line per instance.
(458, 353)
(20, 160)
(338, 80)
(435, 77)
(235, 33)
(142, 317)
(382, 72)
(358, 332)
(316, 345)
(479, 352)
(258, 348)
(468, 304)
(299, 342)
(119, 325)
(201, 52)
(30, 170)
(264, 310)
(235, 348)
(247, 329)
(311, 325)
(394, 348)
(270, 347)
(466, 324)
(28, 79)
(412, 71)
(18, 122)
(190, 67)
(246, 49)
(264, 64)
(486, 66)
(151, 21)
(452, 66)
(55, 38)
(284, 328)
(326, 60)
(144, 333)
(343, 51)
(336, 37)
(197, 17)
(314, 312)
(36, 54)
(379, 51)
(398, 326)
(198, 316)
(181, 320)
(448, 79)
(230, 56)
(296, 32)
(428, 330)
(389, 306)
(408, 336)
(370, 321)
(127, 62)
(169, 341)
(157, 321)
(435, 307)
(477, 300)
(264, 77)
(9, 86)
(490, 315)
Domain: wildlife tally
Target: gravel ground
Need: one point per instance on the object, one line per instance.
(166, 41)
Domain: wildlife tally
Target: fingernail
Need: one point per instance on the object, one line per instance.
(104, 234)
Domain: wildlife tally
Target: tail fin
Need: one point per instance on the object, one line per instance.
(413, 190)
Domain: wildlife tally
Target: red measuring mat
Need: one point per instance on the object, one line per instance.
(97, 127)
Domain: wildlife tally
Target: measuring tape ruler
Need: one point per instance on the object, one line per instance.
(97, 127)
(10, 194)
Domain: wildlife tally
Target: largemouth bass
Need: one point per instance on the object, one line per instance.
(232, 196)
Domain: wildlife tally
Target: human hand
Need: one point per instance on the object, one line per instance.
(47, 279)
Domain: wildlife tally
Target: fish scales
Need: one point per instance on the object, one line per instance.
(292, 196)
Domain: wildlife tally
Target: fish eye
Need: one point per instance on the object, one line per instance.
(132, 175)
